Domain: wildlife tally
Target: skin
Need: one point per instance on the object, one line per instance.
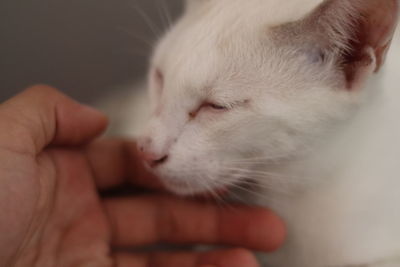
(52, 168)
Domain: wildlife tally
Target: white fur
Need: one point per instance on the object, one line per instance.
(325, 158)
(354, 216)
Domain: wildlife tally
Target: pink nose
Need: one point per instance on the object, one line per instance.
(154, 160)
(151, 158)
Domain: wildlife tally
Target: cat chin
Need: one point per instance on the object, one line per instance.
(181, 187)
(185, 189)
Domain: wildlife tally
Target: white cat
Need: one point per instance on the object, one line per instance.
(280, 98)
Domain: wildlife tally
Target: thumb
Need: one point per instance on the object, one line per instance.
(42, 116)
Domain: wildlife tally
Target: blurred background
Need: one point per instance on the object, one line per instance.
(84, 47)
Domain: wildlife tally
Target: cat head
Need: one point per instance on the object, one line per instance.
(238, 83)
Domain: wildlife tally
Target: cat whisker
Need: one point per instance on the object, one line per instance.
(150, 24)
(218, 199)
(162, 17)
(245, 185)
(256, 172)
(210, 187)
(260, 159)
(166, 14)
(241, 187)
(142, 39)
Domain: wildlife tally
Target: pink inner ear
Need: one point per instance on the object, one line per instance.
(378, 26)
(361, 30)
(380, 20)
(356, 31)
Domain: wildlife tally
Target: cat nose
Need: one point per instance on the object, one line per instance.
(152, 158)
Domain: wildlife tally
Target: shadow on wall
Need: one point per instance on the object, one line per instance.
(82, 47)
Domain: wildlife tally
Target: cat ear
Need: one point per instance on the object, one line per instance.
(357, 32)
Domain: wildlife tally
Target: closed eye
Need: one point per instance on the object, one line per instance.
(208, 106)
(215, 106)
(159, 78)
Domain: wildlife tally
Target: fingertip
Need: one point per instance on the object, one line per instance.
(253, 227)
(268, 231)
(78, 123)
(95, 115)
(75, 123)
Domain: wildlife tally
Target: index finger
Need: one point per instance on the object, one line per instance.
(42, 116)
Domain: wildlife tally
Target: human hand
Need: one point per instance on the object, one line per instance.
(52, 215)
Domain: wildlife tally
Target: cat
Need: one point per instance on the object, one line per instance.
(289, 105)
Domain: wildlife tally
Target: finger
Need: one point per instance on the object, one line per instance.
(145, 220)
(115, 162)
(41, 116)
(219, 258)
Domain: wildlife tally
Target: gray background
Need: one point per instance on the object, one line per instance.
(83, 47)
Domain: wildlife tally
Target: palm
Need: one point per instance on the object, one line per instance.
(72, 229)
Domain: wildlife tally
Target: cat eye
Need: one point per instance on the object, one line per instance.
(159, 78)
(208, 105)
(215, 106)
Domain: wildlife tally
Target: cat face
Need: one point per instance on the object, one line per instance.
(238, 84)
